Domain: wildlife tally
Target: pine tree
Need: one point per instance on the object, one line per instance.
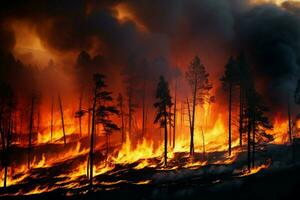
(197, 78)
(101, 112)
(229, 80)
(164, 102)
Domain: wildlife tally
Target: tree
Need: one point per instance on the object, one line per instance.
(243, 76)
(174, 118)
(100, 115)
(164, 101)
(7, 108)
(197, 78)
(121, 105)
(258, 123)
(229, 80)
(31, 123)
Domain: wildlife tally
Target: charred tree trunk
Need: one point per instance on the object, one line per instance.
(249, 142)
(80, 120)
(91, 157)
(174, 120)
(229, 118)
(30, 130)
(8, 140)
(38, 119)
(122, 120)
(129, 113)
(189, 114)
(193, 117)
(166, 136)
(51, 120)
(290, 121)
(253, 139)
(62, 118)
(89, 122)
(290, 131)
(143, 110)
(170, 127)
(241, 116)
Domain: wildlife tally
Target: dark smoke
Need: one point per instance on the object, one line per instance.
(215, 29)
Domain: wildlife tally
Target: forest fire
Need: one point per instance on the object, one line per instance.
(121, 98)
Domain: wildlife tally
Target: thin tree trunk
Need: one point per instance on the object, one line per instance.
(253, 139)
(122, 120)
(51, 120)
(9, 136)
(170, 128)
(129, 113)
(289, 120)
(30, 130)
(143, 110)
(92, 139)
(189, 114)
(89, 122)
(175, 107)
(241, 116)
(166, 136)
(38, 119)
(229, 118)
(193, 117)
(62, 118)
(80, 108)
(249, 143)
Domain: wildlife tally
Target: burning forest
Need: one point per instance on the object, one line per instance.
(149, 99)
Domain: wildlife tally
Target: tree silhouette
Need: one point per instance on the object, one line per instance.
(197, 78)
(164, 101)
(7, 108)
(101, 112)
(244, 75)
(229, 80)
(121, 109)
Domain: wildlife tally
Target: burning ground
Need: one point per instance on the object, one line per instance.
(149, 99)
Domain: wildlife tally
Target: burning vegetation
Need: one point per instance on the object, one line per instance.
(175, 103)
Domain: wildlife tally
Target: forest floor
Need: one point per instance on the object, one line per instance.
(276, 178)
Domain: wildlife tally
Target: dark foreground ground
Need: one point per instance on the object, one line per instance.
(279, 180)
(283, 184)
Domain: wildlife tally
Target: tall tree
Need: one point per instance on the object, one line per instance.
(7, 109)
(100, 115)
(31, 123)
(243, 76)
(197, 78)
(164, 101)
(229, 80)
(174, 117)
(258, 123)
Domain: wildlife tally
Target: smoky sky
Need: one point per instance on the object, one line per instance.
(268, 35)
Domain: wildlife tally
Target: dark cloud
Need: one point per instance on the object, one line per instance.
(267, 34)
(271, 38)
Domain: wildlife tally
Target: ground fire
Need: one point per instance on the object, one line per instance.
(149, 99)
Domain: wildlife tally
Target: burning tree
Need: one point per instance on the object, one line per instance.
(101, 112)
(7, 108)
(229, 80)
(197, 78)
(163, 106)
